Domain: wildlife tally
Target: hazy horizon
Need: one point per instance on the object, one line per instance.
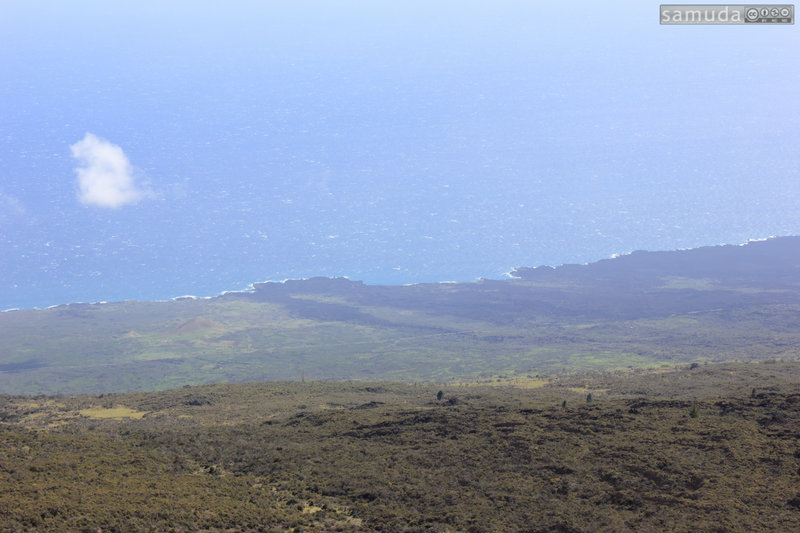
(152, 151)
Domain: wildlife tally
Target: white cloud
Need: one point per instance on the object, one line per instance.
(105, 176)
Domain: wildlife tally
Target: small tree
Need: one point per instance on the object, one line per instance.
(439, 395)
(589, 398)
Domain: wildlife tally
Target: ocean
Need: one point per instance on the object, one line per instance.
(392, 145)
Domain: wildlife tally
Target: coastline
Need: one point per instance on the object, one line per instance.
(512, 274)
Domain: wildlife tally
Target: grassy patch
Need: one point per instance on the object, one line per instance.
(117, 413)
(697, 284)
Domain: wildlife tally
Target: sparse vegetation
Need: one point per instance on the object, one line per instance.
(611, 315)
(476, 442)
(319, 456)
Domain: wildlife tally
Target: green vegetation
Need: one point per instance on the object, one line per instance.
(348, 456)
(655, 310)
(652, 392)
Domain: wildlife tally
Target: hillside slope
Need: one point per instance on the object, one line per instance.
(710, 448)
(641, 310)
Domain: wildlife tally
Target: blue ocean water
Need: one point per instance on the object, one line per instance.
(392, 144)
